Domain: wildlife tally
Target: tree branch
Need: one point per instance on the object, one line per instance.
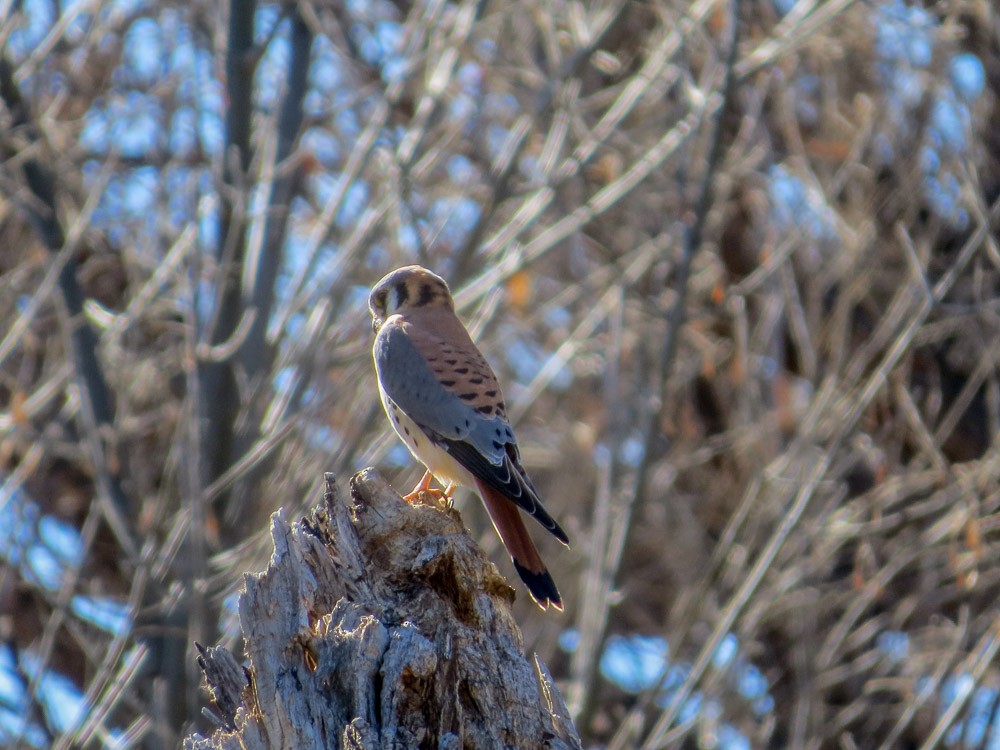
(256, 356)
(44, 219)
(221, 405)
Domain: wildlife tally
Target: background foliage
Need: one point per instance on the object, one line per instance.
(736, 264)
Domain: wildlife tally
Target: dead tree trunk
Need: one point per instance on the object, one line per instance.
(380, 625)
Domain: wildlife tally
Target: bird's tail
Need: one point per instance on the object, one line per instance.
(506, 518)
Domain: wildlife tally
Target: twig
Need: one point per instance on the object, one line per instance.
(83, 341)
(849, 410)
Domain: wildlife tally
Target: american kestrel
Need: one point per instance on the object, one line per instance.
(444, 402)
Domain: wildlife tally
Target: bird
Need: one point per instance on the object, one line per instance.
(445, 403)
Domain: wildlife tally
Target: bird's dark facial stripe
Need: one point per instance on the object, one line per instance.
(426, 296)
(402, 293)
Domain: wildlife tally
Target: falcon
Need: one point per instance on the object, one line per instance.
(445, 403)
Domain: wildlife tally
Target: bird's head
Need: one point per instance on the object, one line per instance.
(407, 288)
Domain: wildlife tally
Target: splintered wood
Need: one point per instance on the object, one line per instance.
(379, 625)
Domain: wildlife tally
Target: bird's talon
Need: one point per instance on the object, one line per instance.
(424, 485)
(438, 497)
(424, 494)
(413, 497)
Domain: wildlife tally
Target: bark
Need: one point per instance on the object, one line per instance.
(378, 624)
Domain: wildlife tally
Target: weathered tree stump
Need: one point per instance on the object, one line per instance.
(380, 625)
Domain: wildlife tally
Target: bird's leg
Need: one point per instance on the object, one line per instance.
(424, 485)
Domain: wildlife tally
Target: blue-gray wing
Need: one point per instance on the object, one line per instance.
(443, 403)
(408, 380)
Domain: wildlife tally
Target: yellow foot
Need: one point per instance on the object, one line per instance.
(424, 485)
(424, 492)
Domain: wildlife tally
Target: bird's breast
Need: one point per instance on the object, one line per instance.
(437, 460)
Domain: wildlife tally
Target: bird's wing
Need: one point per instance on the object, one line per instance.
(508, 478)
(443, 384)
